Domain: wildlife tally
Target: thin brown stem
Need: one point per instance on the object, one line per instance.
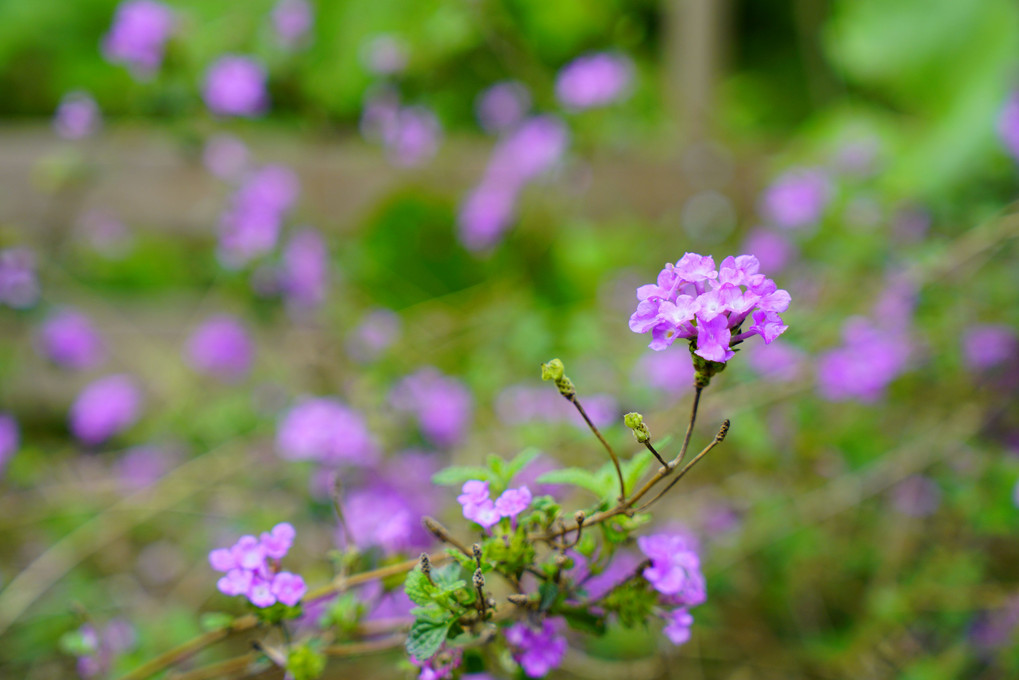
(719, 438)
(689, 428)
(219, 670)
(362, 648)
(655, 453)
(597, 433)
(442, 533)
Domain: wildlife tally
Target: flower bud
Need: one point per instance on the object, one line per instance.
(635, 422)
(553, 370)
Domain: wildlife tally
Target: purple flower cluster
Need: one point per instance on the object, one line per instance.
(105, 408)
(529, 150)
(324, 430)
(221, 347)
(250, 226)
(868, 360)
(796, 199)
(19, 287)
(77, 116)
(694, 300)
(291, 21)
(1008, 125)
(376, 333)
(675, 572)
(410, 134)
(304, 270)
(985, 346)
(594, 80)
(480, 508)
(235, 86)
(69, 339)
(10, 438)
(252, 568)
(502, 106)
(138, 35)
(538, 651)
(441, 405)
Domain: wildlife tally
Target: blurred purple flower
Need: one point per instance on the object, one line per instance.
(985, 346)
(77, 116)
(996, 628)
(104, 233)
(670, 372)
(1008, 125)
(677, 625)
(291, 21)
(324, 430)
(502, 106)
(378, 330)
(414, 137)
(868, 360)
(772, 249)
(533, 148)
(594, 80)
(385, 55)
(616, 572)
(442, 405)
(138, 36)
(486, 212)
(142, 466)
(518, 404)
(69, 339)
(777, 362)
(796, 199)
(105, 408)
(304, 270)
(379, 515)
(225, 156)
(103, 646)
(537, 651)
(10, 439)
(221, 347)
(441, 665)
(19, 287)
(250, 226)
(675, 569)
(916, 496)
(235, 86)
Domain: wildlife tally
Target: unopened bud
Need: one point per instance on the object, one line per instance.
(553, 370)
(635, 422)
(519, 599)
(479, 579)
(426, 564)
(579, 517)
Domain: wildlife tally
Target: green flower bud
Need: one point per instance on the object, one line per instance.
(635, 422)
(553, 370)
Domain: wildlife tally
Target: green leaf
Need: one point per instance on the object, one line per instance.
(74, 643)
(458, 474)
(418, 588)
(519, 462)
(574, 477)
(497, 465)
(447, 576)
(426, 637)
(305, 663)
(584, 621)
(211, 621)
(549, 593)
(465, 561)
(635, 468)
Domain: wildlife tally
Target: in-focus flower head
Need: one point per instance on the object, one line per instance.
(537, 650)
(236, 86)
(105, 408)
(796, 199)
(138, 36)
(77, 116)
(68, 338)
(594, 80)
(325, 430)
(693, 300)
(19, 287)
(252, 568)
(221, 347)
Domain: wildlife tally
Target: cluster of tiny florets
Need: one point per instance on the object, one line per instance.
(252, 568)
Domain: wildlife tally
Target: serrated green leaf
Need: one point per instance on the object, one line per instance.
(431, 612)
(426, 637)
(574, 477)
(418, 588)
(458, 474)
(465, 561)
(446, 575)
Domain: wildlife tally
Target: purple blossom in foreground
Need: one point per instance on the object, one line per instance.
(1008, 125)
(138, 36)
(385, 55)
(537, 651)
(594, 80)
(692, 299)
(376, 333)
(304, 270)
(441, 665)
(250, 226)
(77, 116)
(442, 405)
(221, 347)
(868, 360)
(19, 287)
(324, 430)
(252, 568)
(916, 496)
(478, 506)
(519, 404)
(597, 585)
(225, 156)
(502, 106)
(797, 199)
(291, 21)
(235, 86)
(69, 339)
(675, 569)
(985, 346)
(105, 408)
(10, 439)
